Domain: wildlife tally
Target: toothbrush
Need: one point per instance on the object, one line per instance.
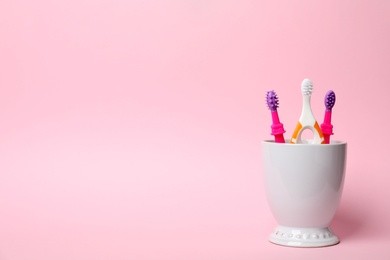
(307, 120)
(277, 127)
(326, 126)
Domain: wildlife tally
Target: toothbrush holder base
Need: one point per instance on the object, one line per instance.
(303, 237)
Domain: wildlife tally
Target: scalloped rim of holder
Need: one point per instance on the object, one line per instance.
(303, 237)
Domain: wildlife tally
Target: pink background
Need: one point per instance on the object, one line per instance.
(133, 129)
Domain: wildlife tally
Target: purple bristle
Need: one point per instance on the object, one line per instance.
(272, 100)
(330, 99)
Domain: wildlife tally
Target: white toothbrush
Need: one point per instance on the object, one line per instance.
(307, 120)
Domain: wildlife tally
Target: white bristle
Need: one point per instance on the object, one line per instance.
(307, 87)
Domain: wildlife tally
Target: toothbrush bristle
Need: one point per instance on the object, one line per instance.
(330, 99)
(307, 87)
(272, 100)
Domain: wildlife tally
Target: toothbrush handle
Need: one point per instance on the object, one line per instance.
(277, 128)
(318, 135)
(279, 139)
(294, 137)
(327, 127)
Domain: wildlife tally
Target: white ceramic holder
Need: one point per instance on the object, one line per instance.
(303, 184)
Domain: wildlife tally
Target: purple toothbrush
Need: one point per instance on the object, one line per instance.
(326, 126)
(277, 127)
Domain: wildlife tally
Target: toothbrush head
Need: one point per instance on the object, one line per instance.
(307, 87)
(272, 100)
(330, 99)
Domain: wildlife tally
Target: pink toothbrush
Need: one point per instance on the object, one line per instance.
(326, 126)
(277, 127)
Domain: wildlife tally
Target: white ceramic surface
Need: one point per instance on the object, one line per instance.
(303, 183)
